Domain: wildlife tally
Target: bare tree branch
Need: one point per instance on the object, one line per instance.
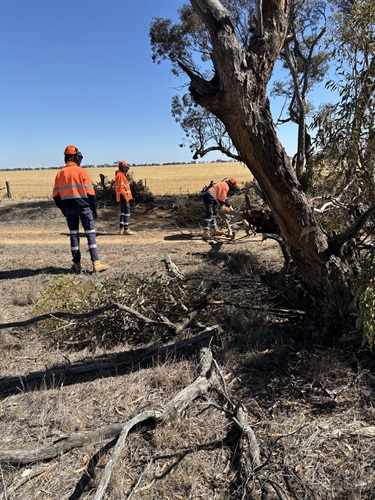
(176, 327)
(83, 316)
(336, 242)
(284, 250)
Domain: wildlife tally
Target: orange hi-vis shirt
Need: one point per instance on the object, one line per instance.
(73, 187)
(220, 192)
(122, 186)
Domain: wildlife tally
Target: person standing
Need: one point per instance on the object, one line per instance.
(123, 196)
(74, 195)
(216, 196)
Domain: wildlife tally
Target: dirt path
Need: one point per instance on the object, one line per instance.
(34, 243)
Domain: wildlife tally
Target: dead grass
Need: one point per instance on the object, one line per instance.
(308, 439)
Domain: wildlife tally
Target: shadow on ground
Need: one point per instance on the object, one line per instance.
(25, 273)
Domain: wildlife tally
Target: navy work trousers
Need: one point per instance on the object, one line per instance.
(85, 215)
(124, 213)
(210, 209)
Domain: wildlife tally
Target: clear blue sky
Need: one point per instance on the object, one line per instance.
(80, 72)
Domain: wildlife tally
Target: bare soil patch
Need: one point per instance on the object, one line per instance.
(311, 407)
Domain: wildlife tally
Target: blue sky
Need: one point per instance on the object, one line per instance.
(80, 72)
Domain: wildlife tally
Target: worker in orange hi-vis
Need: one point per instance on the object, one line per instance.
(216, 195)
(123, 196)
(74, 194)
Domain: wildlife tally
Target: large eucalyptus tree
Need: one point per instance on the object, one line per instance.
(242, 54)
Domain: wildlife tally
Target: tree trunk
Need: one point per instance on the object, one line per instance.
(237, 96)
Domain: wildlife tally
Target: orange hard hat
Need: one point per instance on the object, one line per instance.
(122, 163)
(71, 150)
(233, 181)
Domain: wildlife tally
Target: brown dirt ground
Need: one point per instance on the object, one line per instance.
(311, 407)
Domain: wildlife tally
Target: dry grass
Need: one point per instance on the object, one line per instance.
(313, 444)
(161, 180)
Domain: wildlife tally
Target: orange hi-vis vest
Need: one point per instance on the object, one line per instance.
(220, 191)
(122, 186)
(73, 186)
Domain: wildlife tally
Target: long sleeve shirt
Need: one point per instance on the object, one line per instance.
(73, 188)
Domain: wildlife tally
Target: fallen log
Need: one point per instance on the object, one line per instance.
(209, 379)
(117, 364)
(176, 406)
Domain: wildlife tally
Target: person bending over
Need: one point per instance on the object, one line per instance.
(216, 197)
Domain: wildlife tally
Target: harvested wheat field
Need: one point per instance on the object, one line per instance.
(182, 372)
(161, 179)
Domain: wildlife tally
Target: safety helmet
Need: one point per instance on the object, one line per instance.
(71, 150)
(232, 181)
(122, 163)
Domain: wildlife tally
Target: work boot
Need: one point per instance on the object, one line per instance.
(206, 235)
(76, 267)
(121, 230)
(216, 232)
(98, 266)
(127, 231)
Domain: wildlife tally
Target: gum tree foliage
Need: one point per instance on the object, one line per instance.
(238, 50)
(189, 42)
(345, 136)
(302, 55)
(306, 60)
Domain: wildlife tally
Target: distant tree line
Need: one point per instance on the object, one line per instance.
(114, 165)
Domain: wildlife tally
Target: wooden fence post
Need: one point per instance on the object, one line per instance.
(9, 191)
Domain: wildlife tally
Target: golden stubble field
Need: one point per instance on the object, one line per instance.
(161, 179)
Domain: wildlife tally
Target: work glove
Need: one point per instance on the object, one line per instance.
(95, 214)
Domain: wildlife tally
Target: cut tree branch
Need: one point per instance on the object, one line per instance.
(176, 327)
(171, 410)
(83, 316)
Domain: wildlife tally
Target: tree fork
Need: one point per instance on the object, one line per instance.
(240, 102)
